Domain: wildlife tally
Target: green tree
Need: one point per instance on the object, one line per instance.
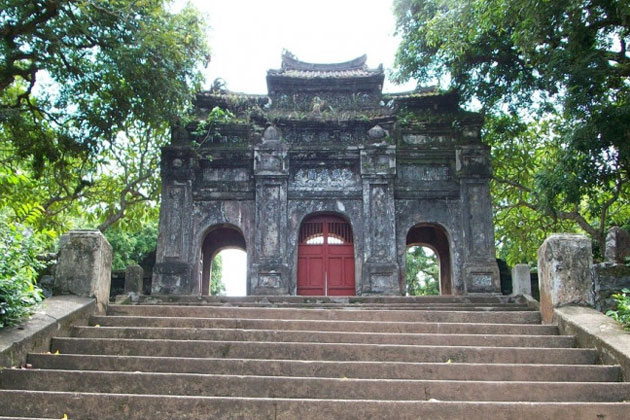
(131, 247)
(217, 286)
(423, 272)
(563, 63)
(88, 91)
(19, 248)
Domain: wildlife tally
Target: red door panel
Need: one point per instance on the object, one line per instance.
(326, 257)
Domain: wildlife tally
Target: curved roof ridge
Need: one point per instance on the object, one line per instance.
(290, 62)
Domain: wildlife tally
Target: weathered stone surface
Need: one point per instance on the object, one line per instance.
(55, 316)
(592, 329)
(521, 280)
(84, 265)
(326, 141)
(133, 279)
(609, 278)
(617, 245)
(564, 272)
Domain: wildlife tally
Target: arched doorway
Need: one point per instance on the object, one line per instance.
(217, 239)
(435, 238)
(325, 257)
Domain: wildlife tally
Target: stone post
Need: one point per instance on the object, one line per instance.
(270, 269)
(564, 272)
(84, 266)
(133, 279)
(521, 280)
(617, 245)
(378, 169)
(175, 255)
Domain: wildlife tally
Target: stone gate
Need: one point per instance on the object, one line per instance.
(326, 160)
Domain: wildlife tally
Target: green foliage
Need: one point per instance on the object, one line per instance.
(423, 272)
(553, 79)
(622, 313)
(217, 286)
(84, 135)
(19, 248)
(132, 247)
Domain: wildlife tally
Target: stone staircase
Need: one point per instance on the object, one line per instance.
(483, 357)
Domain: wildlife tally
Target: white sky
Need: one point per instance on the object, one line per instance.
(247, 36)
(234, 263)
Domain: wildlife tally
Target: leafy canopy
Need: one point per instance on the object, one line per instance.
(422, 272)
(561, 65)
(88, 91)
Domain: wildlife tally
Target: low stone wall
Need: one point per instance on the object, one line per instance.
(609, 278)
(53, 317)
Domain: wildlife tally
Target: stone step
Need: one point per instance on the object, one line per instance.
(159, 407)
(503, 317)
(385, 300)
(332, 369)
(436, 307)
(320, 351)
(366, 306)
(307, 387)
(324, 325)
(220, 334)
(23, 418)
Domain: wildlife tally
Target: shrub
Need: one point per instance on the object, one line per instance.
(622, 313)
(19, 265)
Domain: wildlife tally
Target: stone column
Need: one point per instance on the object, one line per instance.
(564, 272)
(380, 268)
(84, 266)
(481, 272)
(133, 279)
(521, 280)
(175, 256)
(617, 245)
(270, 269)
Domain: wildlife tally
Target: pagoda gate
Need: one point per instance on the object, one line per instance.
(324, 182)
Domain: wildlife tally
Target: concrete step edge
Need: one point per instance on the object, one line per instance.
(302, 343)
(383, 381)
(348, 333)
(117, 406)
(333, 362)
(280, 321)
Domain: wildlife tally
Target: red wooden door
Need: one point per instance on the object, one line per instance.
(325, 257)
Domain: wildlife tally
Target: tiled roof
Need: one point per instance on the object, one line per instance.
(325, 74)
(293, 68)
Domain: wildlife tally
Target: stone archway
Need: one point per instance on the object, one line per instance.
(218, 238)
(435, 237)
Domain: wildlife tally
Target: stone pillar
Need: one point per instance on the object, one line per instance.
(521, 280)
(564, 272)
(380, 268)
(84, 266)
(270, 269)
(481, 272)
(617, 245)
(133, 279)
(175, 256)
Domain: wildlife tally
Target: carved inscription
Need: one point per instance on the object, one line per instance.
(481, 280)
(323, 178)
(379, 220)
(481, 241)
(411, 174)
(269, 221)
(422, 139)
(269, 280)
(225, 174)
(174, 239)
